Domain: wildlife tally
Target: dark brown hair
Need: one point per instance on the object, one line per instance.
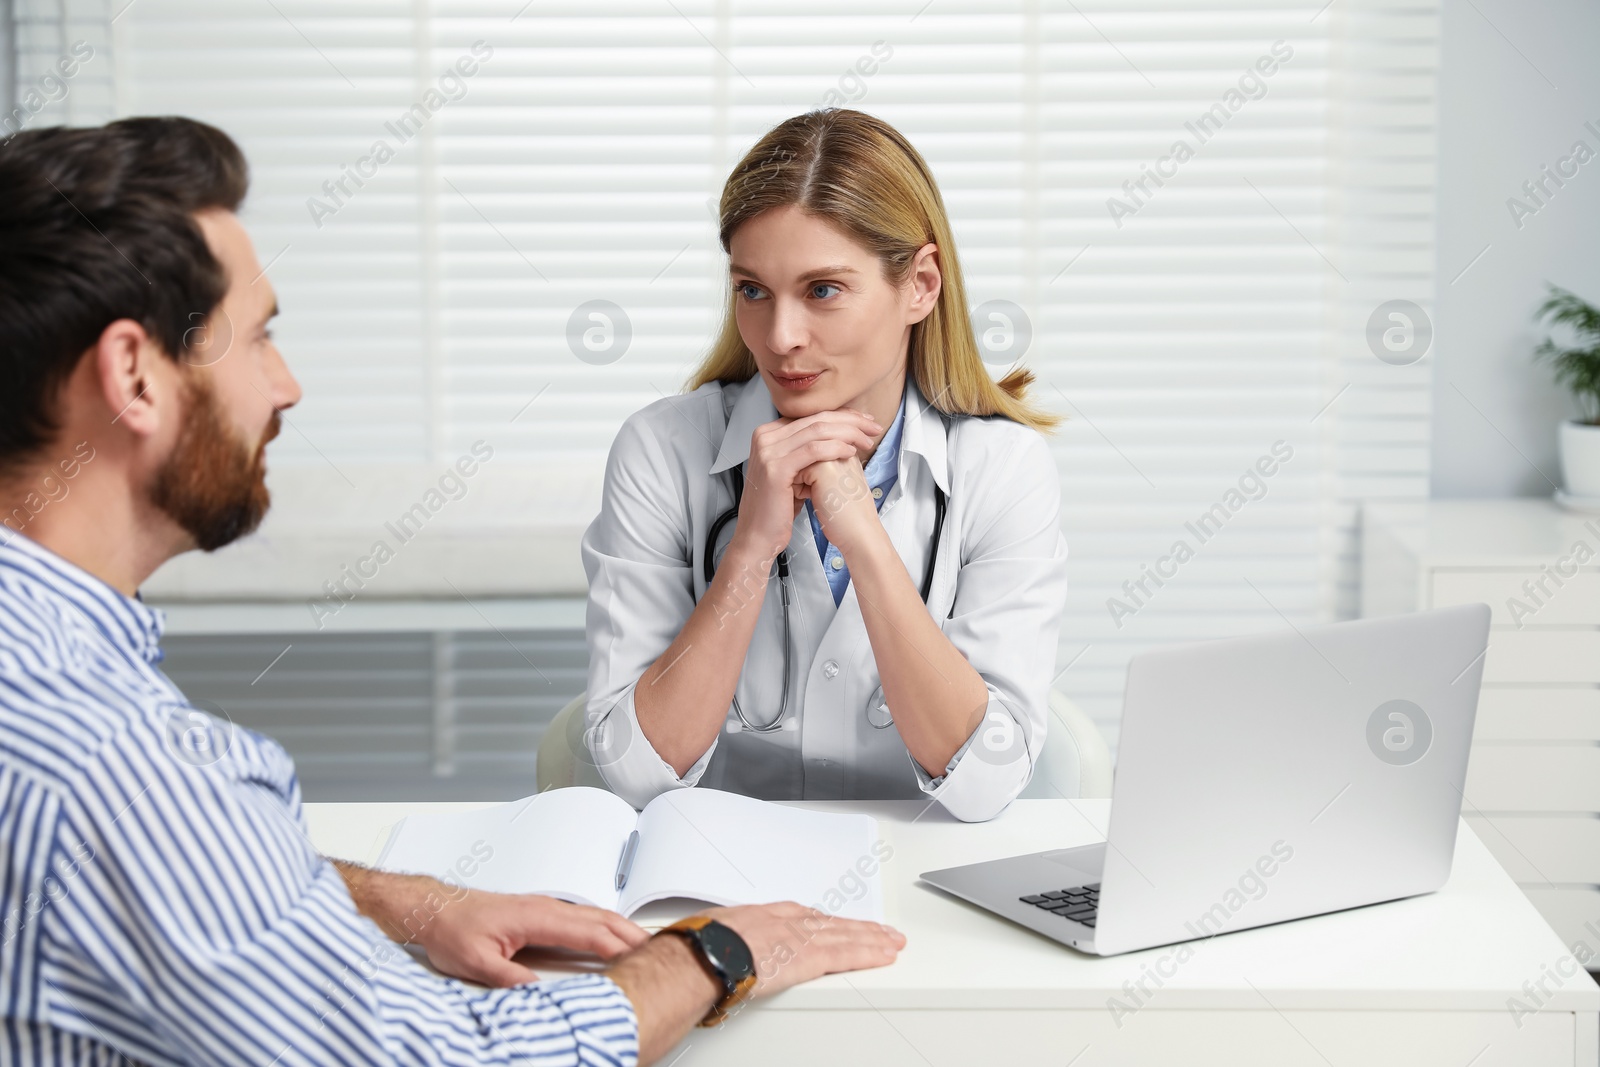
(97, 224)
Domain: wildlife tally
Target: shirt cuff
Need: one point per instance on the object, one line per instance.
(929, 784)
(977, 786)
(630, 764)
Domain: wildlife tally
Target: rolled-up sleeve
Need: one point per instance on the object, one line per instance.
(1010, 596)
(638, 560)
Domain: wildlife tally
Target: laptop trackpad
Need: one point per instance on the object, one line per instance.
(1074, 866)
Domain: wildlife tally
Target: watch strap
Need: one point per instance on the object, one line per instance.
(735, 990)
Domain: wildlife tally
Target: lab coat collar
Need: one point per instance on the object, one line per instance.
(922, 434)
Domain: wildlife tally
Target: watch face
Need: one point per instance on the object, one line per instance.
(727, 952)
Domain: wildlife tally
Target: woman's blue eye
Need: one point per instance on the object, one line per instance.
(750, 292)
(817, 290)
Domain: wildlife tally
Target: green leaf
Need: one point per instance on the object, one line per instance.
(1576, 368)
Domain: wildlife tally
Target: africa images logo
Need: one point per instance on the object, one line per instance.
(198, 733)
(1399, 732)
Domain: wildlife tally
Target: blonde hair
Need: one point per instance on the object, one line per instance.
(862, 175)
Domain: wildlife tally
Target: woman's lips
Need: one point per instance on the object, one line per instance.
(797, 383)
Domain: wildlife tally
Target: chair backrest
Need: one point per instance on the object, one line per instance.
(563, 758)
(1075, 761)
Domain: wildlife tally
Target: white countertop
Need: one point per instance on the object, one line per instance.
(1515, 531)
(510, 530)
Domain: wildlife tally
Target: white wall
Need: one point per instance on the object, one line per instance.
(1518, 81)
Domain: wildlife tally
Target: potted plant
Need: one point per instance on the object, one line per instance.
(1577, 367)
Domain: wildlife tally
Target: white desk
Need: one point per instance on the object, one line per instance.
(1415, 982)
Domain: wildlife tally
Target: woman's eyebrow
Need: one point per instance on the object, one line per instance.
(828, 272)
(810, 275)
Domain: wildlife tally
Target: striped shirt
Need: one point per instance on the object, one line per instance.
(160, 900)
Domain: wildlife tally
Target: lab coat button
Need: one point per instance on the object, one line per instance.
(830, 669)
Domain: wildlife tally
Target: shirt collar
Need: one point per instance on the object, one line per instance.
(922, 432)
(128, 623)
(884, 463)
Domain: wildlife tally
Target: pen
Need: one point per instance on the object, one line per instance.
(625, 863)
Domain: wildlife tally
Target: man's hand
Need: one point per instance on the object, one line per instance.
(671, 990)
(471, 934)
(475, 936)
(793, 944)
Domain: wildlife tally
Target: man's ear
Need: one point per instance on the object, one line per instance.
(927, 281)
(125, 369)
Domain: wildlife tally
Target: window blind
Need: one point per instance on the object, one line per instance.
(60, 69)
(444, 190)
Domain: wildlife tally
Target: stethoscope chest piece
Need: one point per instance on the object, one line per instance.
(878, 716)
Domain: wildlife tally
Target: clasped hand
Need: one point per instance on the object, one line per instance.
(814, 458)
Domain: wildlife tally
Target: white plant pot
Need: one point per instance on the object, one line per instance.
(1580, 458)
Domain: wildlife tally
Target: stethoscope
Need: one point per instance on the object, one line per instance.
(878, 715)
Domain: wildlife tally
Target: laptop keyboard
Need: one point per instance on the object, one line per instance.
(1080, 904)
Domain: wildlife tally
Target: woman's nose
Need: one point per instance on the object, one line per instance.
(787, 331)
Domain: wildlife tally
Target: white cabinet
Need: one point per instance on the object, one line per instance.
(1533, 784)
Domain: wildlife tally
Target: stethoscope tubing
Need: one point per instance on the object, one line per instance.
(782, 573)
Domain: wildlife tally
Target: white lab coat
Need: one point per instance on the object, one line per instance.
(999, 586)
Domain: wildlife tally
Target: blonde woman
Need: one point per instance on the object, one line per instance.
(833, 567)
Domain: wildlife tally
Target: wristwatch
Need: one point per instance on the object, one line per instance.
(725, 956)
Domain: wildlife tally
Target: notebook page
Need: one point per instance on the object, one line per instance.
(724, 848)
(562, 842)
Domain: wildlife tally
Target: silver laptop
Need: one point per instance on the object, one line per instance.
(1261, 779)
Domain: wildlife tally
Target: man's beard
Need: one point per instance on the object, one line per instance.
(211, 485)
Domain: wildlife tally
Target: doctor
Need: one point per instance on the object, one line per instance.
(833, 568)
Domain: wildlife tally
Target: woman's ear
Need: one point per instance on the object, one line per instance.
(124, 361)
(926, 281)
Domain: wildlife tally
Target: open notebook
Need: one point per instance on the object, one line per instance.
(703, 844)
